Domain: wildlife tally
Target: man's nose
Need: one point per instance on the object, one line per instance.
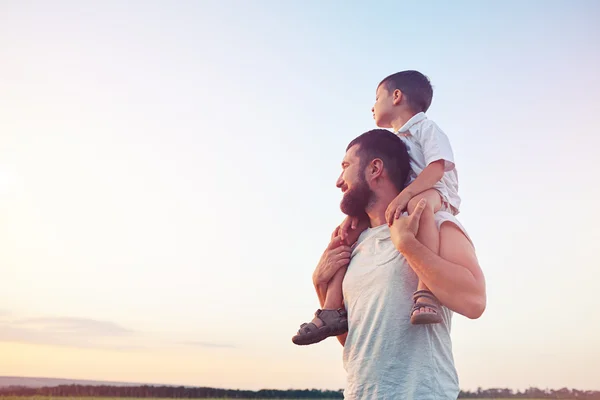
(373, 109)
(340, 182)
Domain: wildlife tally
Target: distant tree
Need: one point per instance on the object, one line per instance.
(181, 392)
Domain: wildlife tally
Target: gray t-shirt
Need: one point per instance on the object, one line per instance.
(385, 356)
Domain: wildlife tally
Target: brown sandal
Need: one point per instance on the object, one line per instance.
(426, 317)
(334, 323)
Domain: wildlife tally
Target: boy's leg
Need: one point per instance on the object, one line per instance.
(332, 320)
(429, 236)
(334, 298)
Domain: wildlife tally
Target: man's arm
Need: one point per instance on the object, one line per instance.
(454, 276)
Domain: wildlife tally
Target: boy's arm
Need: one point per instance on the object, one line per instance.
(439, 158)
(431, 175)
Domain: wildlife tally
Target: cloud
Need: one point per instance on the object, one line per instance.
(208, 344)
(67, 331)
(76, 326)
(87, 333)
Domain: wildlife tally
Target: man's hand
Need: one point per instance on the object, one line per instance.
(396, 207)
(336, 255)
(405, 228)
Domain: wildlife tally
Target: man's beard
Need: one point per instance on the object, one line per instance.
(355, 201)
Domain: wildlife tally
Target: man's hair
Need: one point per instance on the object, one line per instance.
(414, 85)
(383, 144)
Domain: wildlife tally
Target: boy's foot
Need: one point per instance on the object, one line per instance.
(325, 324)
(425, 312)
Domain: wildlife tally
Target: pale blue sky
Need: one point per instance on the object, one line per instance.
(167, 181)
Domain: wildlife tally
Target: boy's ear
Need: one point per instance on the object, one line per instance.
(397, 97)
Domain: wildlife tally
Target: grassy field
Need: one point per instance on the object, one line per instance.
(127, 398)
(113, 398)
(130, 398)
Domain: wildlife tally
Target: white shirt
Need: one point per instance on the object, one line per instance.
(427, 143)
(385, 356)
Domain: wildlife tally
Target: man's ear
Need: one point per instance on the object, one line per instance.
(397, 97)
(375, 169)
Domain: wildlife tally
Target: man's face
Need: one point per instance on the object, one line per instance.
(383, 107)
(356, 190)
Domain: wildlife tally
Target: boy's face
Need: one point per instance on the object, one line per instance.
(382, 109)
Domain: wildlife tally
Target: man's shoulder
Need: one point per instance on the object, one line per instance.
(441, 217)
(456, 229)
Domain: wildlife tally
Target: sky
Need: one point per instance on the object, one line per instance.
(167, 181)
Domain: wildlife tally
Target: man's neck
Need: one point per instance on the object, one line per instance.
(376, 211)
(402, 118)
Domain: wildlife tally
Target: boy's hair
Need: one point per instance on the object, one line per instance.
(414, 85)
(383, 144)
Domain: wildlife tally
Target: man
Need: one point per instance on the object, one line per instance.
(385, 356)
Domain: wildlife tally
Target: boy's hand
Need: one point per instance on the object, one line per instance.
(396, 207)
(348, 224)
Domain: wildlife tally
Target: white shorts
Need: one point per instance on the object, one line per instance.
(446, 206)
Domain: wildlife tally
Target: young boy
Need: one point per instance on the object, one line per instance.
(400, 104)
